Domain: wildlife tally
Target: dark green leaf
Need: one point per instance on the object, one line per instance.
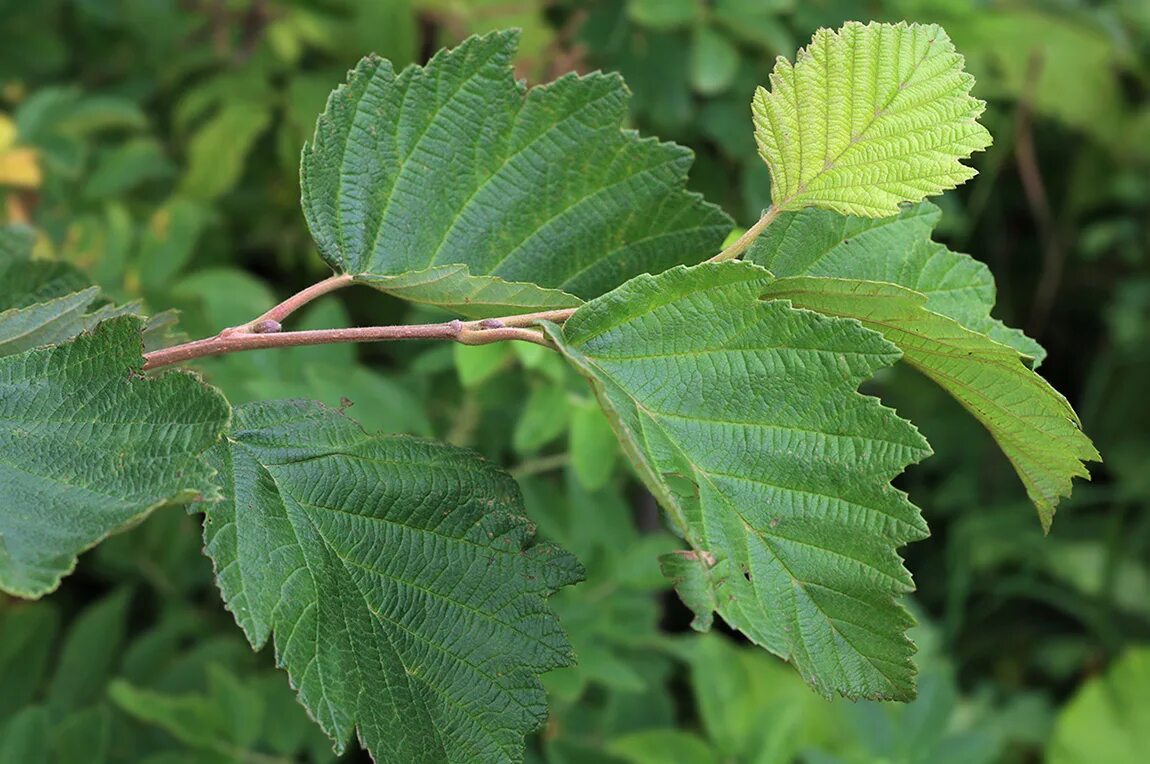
(399, 578)
(455, 164)
(88, 447)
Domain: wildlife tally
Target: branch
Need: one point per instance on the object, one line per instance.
(741, 244)
(264, 331)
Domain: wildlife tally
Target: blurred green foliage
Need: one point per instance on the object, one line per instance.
(156, 144)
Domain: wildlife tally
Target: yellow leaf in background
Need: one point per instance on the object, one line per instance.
(7, 132)
(18, 166)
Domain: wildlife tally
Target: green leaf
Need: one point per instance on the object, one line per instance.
(226, 720)
(454, 288)
(664, 14)
(456, 164)
(218, 152)
(714, 61)
(43, 301)
(867, 117)
(659, 746)
(24, 737)
(24, 281)
(475, 364)
(544, 418)
(88, 447)
(896, 249)
(1033, 424)
(592, 446)
(89, 653)
(399, 578)
(1108, 719)
(27, 636)
(743, 419)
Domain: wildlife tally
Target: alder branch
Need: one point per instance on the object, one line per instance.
(264, 331)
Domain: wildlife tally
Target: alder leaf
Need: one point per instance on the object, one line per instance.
(1033, 424)
(867, 117)
(743, 418)
(453, 288)
(896, 249)
(399, 578)
(89, 446)
(44, 301)
(456, 163)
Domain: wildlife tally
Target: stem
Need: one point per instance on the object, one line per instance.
(264, 331)
(298, 300)
(740, 244)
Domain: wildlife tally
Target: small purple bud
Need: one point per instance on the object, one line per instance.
(267, 326)
(491, 323)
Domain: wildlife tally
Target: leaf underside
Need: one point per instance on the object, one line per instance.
(744, 419)
(867, 117)
(399, 579)
(456, 163)
(88, 446)
(1033, 424)
(896, 249)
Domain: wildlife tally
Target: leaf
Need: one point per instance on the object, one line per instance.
(399, 578)
(89, 447)
(1033, 424)
(27, 635)
(544, 418)
(591, 446)
(714, 61)
(218, 152)
(454, 288)
(1108, 719)
(530, 193)
(43, 301)
(896, 249)
(664, 14)
(227, 720)
(662, 745)
(743, 419)
(89, 654)
(867, 117)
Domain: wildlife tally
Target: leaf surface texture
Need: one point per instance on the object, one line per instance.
(457, 164)
(89, 446)
(399, 579)
(744, 418)
(868, 116)
(1032, 422)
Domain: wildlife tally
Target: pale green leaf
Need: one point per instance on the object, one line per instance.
(88, 447)
(456, 164)
(1108, 719)
(664, 14)
(591, 445)
(658, 746)
(1033, 424)
(743, 419)
(453, 288)
(867, 117)
(714, 60)
(544, 418)
(399, 578)
(896, 249)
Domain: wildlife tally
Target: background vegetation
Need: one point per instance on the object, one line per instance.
(156, 143)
